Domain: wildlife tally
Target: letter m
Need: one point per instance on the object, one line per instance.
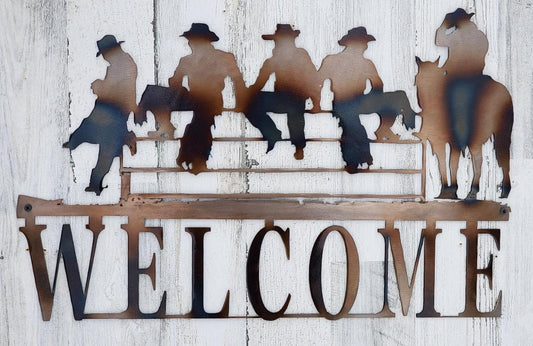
(405, 288)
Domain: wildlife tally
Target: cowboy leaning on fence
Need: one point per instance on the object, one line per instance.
(106, 125)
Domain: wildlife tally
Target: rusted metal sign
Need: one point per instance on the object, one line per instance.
(461, 107)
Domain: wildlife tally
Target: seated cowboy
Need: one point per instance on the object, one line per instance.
(349, 72)
(296, 80)
(106, 125)
(206, 69)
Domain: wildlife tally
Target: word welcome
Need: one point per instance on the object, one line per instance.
(78, 293)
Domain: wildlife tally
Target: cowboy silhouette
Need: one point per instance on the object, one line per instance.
(161, 101)
(349, 72)
(463, 107)
(106, 125)
(296, 80)
(467, 46)
(206, 69)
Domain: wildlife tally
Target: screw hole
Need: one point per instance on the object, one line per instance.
(27, 207)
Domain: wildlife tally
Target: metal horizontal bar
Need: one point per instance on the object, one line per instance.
(264, 170)
(192, 196)
(30, 207)
(259, 139)
(307, 111)
(189, 316)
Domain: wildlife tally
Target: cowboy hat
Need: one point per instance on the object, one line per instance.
(356, 35)
(200, 30)
(106, 43)
(282, 30)
(457, 16)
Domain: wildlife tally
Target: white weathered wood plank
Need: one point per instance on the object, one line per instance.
(34, 115)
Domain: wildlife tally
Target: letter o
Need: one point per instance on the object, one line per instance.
(352, 275)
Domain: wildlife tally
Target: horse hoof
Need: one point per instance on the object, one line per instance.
(448, 192)
(473, 192)
(505, 191)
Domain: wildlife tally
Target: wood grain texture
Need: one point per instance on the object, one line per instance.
(47, 63)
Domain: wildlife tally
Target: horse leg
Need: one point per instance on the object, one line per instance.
(455, 155)
(446, 192)
(502, 147)
(477, 161)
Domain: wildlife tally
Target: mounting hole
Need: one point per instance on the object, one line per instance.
(27, 207)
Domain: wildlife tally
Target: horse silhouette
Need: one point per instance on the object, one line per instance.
(464, 111)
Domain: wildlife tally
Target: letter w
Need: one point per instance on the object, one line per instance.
(40, 272)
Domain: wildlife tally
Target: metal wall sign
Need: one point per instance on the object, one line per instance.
(461, 107)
